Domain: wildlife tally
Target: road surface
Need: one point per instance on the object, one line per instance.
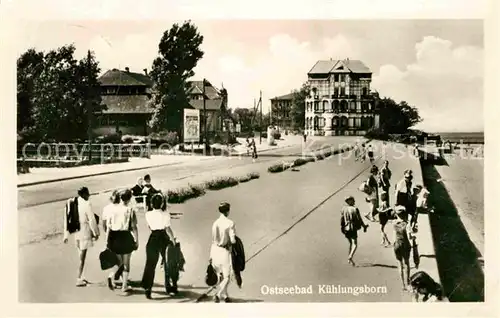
(313, 252)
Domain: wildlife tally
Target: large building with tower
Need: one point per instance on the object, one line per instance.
(340, 102)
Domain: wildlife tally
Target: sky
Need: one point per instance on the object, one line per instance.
(434, 65)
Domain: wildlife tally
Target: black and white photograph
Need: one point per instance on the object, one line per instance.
(331, 161)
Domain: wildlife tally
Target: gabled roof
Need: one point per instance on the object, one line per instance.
(123, 78)
(210, 91)
(210, 104)
(284, 97)
(327, 67)
(126, 104)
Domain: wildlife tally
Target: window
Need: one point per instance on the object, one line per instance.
(342, 91)
(365, 91)
(336, 91)
(335, 121)
(341, 77)
(316, 106)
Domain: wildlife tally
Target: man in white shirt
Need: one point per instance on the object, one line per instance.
(223, 235)
(86, 232)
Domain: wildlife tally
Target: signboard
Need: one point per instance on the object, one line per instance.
(191, 125)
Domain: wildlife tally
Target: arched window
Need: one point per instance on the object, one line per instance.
(364, 106)
(325, 105)
(343, 121)
(315, 123)
(335, 121)
(343, 106)
(336, 107)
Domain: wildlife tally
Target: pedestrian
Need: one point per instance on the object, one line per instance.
(403, 193)
(372, 197)
(80, 221)
(254, 150)
(362, 153)
(402, 245)
(385, 178)
(223, 236)
(356, 151)
(305, 136)
(123, 237)
(148, 190)
(247, 145)
(370, 154)
(106, 212)
(350, 223)
(384, 215)
(160, 238)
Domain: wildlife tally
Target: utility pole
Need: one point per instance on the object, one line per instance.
(205, 117)
(89, 107)
(260, 101)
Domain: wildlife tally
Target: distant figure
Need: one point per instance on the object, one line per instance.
(356, 151)
(304, 135)
(370, 153)
(80, 221)
(223, 237)
(385, 178)
(247, 145)
(350, 223)
(362, 153)
(254, 149)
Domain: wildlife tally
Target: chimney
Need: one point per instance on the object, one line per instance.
(145, 71)
(127, 69)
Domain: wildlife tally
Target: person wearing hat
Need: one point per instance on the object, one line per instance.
(80, 221)
(223, 236)
(350, 223)
(402, 245)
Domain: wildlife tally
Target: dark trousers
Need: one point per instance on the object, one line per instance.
(156, 246)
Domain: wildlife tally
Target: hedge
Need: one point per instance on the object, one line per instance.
(182, 194)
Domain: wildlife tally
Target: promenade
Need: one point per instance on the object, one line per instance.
(312, 252)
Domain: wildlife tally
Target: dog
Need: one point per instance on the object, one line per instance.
(423, 285)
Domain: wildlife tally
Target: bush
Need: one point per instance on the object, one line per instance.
(180, 195)
(221, 183)
(376, 133)
(164, 137)
(254, 175)
(299, 162)
(280, 167)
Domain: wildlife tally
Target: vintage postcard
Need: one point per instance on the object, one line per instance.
(235, 160)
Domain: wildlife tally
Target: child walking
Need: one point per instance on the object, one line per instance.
(384, 213)
(350, 223)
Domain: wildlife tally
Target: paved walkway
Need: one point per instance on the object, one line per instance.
(313, 252)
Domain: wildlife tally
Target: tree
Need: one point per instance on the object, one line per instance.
(396, 118)
(54, 94)
(298, 111)
(244, 117)
(29, 67)
(179, 52)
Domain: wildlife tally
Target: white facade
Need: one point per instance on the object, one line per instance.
(340, 102)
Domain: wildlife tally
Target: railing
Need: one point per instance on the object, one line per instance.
(74, 152)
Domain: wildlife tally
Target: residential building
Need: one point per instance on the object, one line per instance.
(126, 95)
(280, 111)
(340, 102)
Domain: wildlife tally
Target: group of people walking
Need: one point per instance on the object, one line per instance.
(409, 201)
(120, 225)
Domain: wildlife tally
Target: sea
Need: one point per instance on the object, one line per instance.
(465, 137)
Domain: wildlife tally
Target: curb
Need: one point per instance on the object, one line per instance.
(27, 184)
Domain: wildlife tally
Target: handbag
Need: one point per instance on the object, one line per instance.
(211, 278)
(108, 259)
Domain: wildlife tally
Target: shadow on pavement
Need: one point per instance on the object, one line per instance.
(457, 257)
(377, 265)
